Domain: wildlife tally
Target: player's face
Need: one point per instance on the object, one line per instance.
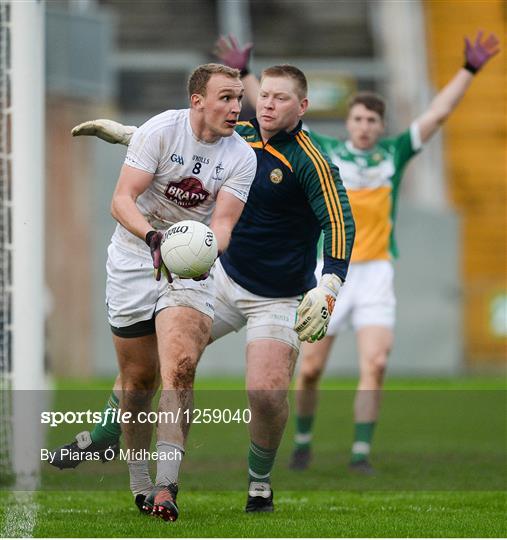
(364, 127)
(220, 107)
(279, 106)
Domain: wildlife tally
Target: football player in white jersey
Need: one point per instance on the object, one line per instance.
(371, 168)
(276, 235)
(181, 164)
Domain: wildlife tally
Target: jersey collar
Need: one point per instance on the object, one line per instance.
(353, 150)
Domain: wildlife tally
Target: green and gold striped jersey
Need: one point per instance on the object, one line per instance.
(372, 179)
(296, 194)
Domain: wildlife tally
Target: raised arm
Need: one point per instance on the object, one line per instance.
(228, 51)
(476, 56)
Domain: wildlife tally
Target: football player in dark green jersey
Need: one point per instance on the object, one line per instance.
(371, 168)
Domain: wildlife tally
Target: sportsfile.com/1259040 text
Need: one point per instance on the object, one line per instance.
(195, 416)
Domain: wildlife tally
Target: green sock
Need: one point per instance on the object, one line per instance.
(110, 432)
(363, 434)
(303, 436)
(260, 463)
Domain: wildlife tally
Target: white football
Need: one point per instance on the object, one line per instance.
(189, 248)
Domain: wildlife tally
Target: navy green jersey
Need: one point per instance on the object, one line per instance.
(372, 179)
(296, 193)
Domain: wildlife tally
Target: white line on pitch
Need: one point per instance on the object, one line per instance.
(20, 515)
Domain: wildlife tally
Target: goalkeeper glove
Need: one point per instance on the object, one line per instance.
(314, 311)
(480, 52)
(229, 52)
(107, 130)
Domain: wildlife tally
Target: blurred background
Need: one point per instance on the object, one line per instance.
(129, 60)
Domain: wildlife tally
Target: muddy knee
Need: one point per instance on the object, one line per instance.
(180, 373)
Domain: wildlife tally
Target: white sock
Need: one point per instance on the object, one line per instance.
(140, 481)
(168, 469)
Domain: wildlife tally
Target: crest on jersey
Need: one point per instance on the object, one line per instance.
(276, 176)
(186, 193)
(218, 171)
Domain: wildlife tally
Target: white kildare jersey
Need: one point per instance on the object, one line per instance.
(188, 173)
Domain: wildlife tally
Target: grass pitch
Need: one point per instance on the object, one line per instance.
(439, 451)
(301, 513)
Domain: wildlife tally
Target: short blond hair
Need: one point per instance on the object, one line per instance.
(292, 72)
(198, 80)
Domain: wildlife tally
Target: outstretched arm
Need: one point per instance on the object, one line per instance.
(476, 56)
(228, 51)
(107, 130)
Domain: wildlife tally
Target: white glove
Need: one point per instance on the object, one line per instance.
(314, 311)
(107, 130)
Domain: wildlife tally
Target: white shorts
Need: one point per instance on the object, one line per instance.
(265, 318)
(366, 299)
(133, 295)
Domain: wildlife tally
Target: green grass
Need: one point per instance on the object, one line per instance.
(439, 451)
(305, 514)
(329, 383)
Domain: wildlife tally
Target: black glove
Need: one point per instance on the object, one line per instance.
(153, 239)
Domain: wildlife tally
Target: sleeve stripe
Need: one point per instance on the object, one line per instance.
(415, 136)
(331, 209)
(330, 195)
(334, 197)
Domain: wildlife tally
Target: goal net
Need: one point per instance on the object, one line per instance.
(6, 248)
(21, 232)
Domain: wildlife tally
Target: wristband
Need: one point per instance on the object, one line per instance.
(244, 72)
(331, 282)
(472, 69)
(149, 236)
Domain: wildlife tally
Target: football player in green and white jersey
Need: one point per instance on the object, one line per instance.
(371, 168)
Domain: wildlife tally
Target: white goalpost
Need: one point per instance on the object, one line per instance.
(22, 88)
